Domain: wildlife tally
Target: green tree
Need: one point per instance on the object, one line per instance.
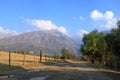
(94, 46)
(118, 24)
(64, 53)
(102, 47)
(71, 56)
(113, 41)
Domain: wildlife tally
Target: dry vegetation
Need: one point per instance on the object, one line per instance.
(25, 61)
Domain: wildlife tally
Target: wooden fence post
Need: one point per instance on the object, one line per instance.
(23, 57)
(40, 56)
(9, 58)
(45, 58)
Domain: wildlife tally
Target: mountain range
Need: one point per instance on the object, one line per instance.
(50, 41)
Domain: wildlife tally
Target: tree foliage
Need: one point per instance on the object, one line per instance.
(65, 54)
(94, 45)
(101, 47)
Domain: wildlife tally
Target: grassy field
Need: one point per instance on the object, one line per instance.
(23, 61)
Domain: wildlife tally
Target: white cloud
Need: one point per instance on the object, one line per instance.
(81, 18)
(96, 15)
(82, 32)
(79, 35)
(107, 19)
(46, 25)
(62, 29)
(7, 33)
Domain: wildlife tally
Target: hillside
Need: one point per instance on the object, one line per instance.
(51, 41)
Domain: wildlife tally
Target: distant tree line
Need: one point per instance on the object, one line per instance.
(102, 48)
(66, 54)
(22, 51)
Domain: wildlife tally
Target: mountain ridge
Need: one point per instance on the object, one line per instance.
(51, 41)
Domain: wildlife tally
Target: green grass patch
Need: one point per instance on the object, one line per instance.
(48, 63)
(6, 68)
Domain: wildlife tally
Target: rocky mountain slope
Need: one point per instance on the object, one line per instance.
(51, 41)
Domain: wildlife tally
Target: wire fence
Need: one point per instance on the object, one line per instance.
(16, 59)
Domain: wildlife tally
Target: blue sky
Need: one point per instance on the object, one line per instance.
(72, 17)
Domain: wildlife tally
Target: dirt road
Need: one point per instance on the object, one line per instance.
(67, 71)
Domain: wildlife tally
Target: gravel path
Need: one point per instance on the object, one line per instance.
(68, 71)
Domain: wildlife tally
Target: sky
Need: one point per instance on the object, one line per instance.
(71, 17)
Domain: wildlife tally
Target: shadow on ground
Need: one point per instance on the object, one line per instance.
(84, 75)
(69, 64)
(6, 69)
(66, 75)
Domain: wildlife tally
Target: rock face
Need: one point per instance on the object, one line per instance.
(51, 41)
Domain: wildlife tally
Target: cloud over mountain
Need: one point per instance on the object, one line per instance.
(82, 32)
(79, 35)
(46, 25)
(7, 33)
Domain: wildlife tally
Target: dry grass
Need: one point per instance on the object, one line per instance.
(27, 61)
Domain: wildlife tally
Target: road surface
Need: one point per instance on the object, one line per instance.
(67, 71)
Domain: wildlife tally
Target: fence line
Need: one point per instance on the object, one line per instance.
(23, 59)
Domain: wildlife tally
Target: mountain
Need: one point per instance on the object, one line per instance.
(51, 41)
